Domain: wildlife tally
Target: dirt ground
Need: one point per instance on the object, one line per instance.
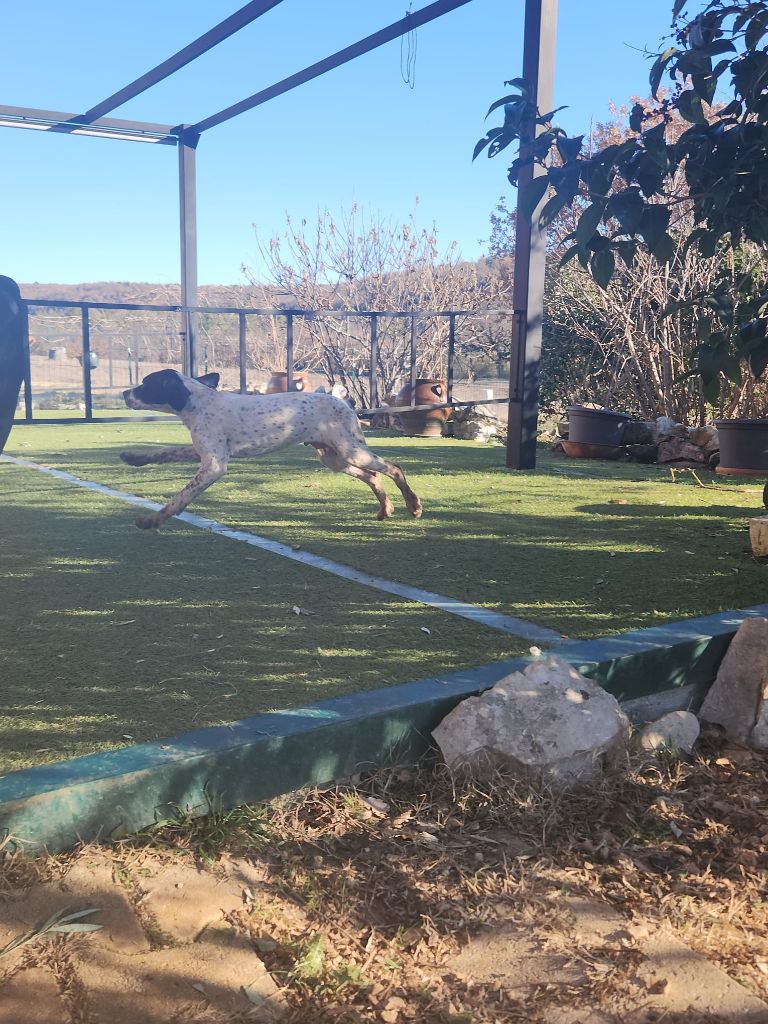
(410, 896)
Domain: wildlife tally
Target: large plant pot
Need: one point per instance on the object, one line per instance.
(429, 422)
(596, 426)
(743, 447)
(278, 382)
(580, 450)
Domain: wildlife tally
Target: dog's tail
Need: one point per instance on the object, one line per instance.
(161, 455)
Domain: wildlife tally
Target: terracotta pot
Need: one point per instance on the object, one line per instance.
(743, 447)
(596, 426)
(278, 382)
(580, 450)
(430, 422)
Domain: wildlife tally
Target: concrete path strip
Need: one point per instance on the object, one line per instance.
(482, 616)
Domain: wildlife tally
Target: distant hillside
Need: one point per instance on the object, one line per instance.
(130, 291)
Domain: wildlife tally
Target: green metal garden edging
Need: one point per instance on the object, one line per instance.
(101, 795)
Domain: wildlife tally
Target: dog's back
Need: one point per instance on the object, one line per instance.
(268, 422)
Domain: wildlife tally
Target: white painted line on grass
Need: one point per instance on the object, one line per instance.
(484, 617)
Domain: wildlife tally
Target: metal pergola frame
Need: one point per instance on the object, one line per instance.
(538, 61)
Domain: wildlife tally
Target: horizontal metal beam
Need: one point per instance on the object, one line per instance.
(104, 127)
(397, 410)
(310, 314)
(384, 35)
(205, 42)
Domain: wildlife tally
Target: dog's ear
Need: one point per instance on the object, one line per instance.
(178, 394)
(211, 380)
(164, 387)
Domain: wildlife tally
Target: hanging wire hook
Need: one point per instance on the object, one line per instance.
(408, 51)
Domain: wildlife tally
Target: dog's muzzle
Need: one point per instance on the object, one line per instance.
(129, 399)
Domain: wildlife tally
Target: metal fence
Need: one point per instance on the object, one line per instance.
(82, 355)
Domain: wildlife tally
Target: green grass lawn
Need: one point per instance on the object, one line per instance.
(110, 635)
(107, 631)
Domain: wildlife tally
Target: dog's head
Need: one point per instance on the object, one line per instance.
(166, 390)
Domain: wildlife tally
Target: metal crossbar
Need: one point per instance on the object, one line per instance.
(385, 35)
(395, 410)
(205, 42)
(309, 314)
(104, 127)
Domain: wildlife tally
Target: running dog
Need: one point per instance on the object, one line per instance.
(224, 424)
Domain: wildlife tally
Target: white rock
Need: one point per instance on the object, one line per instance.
(475, 430)
(474, 424)
(664, 425)
(548, 719)
(676, 732)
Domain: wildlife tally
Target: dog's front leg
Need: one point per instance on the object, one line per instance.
(212, 468)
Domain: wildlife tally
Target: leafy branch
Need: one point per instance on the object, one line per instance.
(628, 192)
(60, 923)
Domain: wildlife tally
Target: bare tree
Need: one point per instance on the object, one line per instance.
(644, 333)
(356, 262)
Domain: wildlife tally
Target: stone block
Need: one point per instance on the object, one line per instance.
(758, 536)
(737, 698)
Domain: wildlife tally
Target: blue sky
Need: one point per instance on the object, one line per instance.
(81, 209)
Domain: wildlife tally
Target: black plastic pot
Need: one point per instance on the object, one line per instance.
(743, 447)
(596, 426)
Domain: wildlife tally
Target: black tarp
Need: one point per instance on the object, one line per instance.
(13, 341)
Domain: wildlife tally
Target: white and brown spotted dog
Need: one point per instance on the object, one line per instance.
(224, 424)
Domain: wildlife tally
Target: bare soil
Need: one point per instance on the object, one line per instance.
(414, 896)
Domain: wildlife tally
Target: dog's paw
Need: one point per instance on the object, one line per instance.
(148, 522)
(415, 509)
(133, 458)
(386, 511)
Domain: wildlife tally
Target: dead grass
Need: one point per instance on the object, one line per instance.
(369, 889)
(20, 872)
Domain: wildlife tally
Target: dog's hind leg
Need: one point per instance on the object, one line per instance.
(363, 458)
(337, 464)
(386, 508)
(160, 455)
(212, 468)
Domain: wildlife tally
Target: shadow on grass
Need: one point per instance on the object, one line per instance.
(109, 635)
(538, 546)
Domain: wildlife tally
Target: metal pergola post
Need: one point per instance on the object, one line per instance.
(290, 384)
(86, 355)
(188, 234)
(530, 249)
(451, 352)
(413, 360)
(373, 364)
(242, 334)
